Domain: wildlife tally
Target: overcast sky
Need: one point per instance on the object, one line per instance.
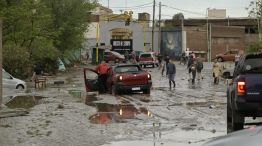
(190, 8)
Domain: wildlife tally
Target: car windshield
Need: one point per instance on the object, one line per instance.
(124, 69)
(253, 65)
(145, 55)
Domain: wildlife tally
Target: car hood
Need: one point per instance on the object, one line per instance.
(246, 137)
(219, 55)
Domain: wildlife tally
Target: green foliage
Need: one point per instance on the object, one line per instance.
(178, 16)
(41, 30)
(70, 22)
(16, 60)
(256, 47)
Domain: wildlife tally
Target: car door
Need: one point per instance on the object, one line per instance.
(8, 81)
(91, 80)
(226, 56)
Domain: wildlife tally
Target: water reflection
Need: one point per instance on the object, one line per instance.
(116, 113)
(23, 101)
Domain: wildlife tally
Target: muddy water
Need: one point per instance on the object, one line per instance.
(24, 101)
(116, 113)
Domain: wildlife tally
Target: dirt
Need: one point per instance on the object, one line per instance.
(187, 115)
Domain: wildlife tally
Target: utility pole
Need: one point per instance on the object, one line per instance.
(1, 83)
(159, 31)
(208, 53)
(153, 25)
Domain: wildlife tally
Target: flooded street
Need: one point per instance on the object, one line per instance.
(65, 115)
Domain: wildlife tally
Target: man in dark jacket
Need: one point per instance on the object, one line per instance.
(167, 58)
(189, 63)
(171, 72)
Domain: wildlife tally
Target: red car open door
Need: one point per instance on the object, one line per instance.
(91, 80)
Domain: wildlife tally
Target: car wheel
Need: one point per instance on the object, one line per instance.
(147, 91)
(237, 120)
(114, 90)
(220, 59)
(20, 87)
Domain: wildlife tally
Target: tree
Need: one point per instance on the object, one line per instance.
(178, 16)
(255, 11)
(42, 29)
(70, 21)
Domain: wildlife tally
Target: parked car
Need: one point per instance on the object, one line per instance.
(244, 93)
(113, 56)
(247, 137)
(148, 58)
(10, 82)
(228, 56)
(122, 77)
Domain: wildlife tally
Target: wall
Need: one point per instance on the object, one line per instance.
(225, 38)
(138, 37)
(171, 43)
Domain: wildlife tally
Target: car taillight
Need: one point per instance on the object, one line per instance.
(148, 76)
(120, 78)
(241, 87)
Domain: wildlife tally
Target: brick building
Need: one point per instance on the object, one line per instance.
(223, 34)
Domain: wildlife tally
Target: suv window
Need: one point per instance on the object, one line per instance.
(253, 65)
(145, 55)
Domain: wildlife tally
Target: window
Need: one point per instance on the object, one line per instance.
(6, 75)
(123, 69)
(253, 65)
(145, 55)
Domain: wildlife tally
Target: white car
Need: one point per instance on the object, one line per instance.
(10, 82)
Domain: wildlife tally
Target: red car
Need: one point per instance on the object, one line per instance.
(113, 56)
(148, 58)
(125, 77)
(228, 56)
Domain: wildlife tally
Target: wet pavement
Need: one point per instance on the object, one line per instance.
(187, 115)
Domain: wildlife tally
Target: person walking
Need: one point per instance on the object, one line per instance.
(159, 58)
(199, 67)
(102, 69)
(216, 72)
(189, 63)
(193, 68)
(171, 72)
(167, 59)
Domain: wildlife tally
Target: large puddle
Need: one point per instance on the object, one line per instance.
(23, 101)
(107, 113)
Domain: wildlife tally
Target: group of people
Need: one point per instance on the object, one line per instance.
(194, 67)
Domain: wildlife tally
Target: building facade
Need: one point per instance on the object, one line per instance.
(212, 36)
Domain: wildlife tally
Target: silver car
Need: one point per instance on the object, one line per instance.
(10, 82)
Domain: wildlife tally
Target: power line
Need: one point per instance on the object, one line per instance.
(137, 6)
(196, 13)
(133, 8)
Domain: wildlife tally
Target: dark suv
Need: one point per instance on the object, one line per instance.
(244, 94)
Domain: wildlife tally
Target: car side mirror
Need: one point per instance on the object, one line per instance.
(10, 77)
(227, 75)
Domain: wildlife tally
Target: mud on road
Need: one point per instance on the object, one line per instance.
(67, 116)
